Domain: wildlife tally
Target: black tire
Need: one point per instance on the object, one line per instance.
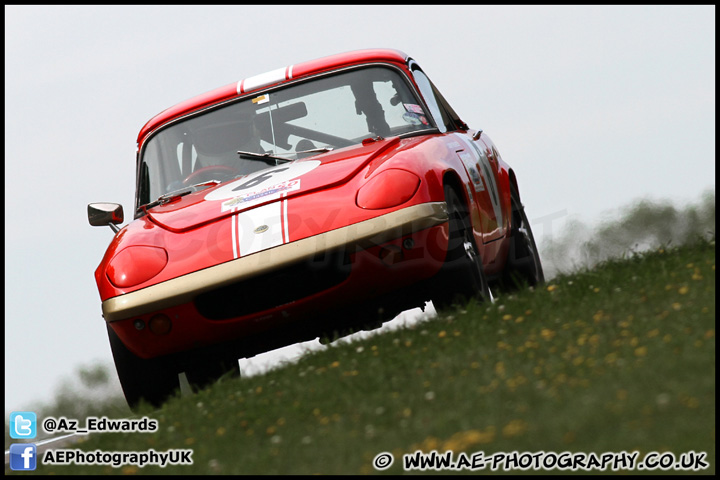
(204, 371)
(523, 265)
(462, 276)
(153, 380)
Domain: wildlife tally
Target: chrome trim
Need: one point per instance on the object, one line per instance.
(364, 234)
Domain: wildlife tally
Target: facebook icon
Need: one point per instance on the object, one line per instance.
(23, 456)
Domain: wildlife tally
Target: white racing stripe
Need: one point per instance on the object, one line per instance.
(258, 229)
(286, 233)
(264, 79)
(268, 185)
(233, 232)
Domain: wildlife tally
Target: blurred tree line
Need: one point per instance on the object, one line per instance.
(644, 225)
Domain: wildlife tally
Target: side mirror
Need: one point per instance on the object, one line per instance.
(101, 214)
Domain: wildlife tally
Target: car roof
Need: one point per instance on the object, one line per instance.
(257, 82)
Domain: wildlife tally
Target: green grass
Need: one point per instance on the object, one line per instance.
(618, 358)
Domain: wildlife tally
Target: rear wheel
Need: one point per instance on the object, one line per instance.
(153, 380)
(462, 275)
(523, 262)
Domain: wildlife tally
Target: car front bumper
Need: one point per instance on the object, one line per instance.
(176, 297)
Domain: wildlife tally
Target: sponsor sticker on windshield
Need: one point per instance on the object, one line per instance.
(412, 108)
(415, 114)
(261, 99)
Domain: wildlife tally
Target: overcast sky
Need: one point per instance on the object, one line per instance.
(593, 107)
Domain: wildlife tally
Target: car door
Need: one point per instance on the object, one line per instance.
(477, 157)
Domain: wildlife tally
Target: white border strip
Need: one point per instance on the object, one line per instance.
(264, 79)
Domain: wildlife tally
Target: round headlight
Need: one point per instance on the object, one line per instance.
(135, 265)
(388, 189)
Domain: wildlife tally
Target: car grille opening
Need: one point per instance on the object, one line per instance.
(276, 288)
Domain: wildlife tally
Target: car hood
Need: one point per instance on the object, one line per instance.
(267, 185)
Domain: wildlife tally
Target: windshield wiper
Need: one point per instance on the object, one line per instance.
(170, 196)
(315, 150)
(166, 198)
(265, 157)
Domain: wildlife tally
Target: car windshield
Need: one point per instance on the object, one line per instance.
(293, 122)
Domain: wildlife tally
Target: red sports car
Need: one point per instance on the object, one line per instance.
(309, 201)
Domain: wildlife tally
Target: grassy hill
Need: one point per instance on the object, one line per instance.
(617, 358)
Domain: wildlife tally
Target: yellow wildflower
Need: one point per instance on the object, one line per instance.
(514, 428)
(547, 334)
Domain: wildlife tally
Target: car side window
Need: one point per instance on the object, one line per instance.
(442, 119)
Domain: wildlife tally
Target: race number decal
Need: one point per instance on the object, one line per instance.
(471, 166)
(266, 226)
(486, 172)
(261, 186)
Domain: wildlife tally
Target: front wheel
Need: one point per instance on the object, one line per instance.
(153, 380)
(205, 371)
(462, 275)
